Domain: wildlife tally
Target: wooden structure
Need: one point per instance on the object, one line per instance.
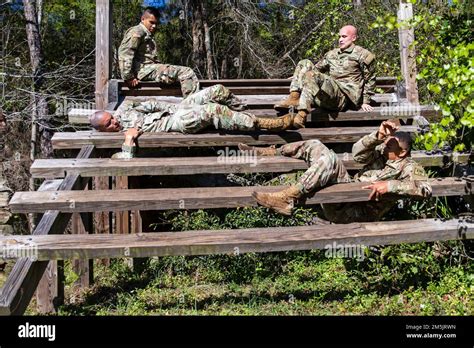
(80, 189)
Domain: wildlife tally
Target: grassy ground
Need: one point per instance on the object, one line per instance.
(290, 283)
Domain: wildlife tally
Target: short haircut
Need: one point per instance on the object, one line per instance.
(151, 11)
(95, 119)
(405, 139)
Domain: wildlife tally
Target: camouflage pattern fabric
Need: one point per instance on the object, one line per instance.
(138, 58)
(351, 70)
(212, 106)
(405, 177)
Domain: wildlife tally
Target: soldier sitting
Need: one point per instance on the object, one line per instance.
(214, 105)
(138, 58)
(388, 169)
(343, 79)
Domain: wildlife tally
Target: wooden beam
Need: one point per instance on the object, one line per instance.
(102, 222)
(194, 198)
(234, 162)
(74, 140)
(354, 235)
(407, 51)
(103, 51)
(50, 290)
(22, 281)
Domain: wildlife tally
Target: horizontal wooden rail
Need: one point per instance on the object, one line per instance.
(74, 140)
(193, 198)
(234, 162)
(356, 236)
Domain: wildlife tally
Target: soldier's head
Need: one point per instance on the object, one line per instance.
(347, 36)
(150, 18)
(398, 146)
(103, 121)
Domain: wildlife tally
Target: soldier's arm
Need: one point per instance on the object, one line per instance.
(127, 51)
(364, 151)
(323, 64)
(368, 69)
(150, 106)
(413, 182)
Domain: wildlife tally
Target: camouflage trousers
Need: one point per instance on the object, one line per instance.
(193, 118)
(169, 74)
(316, 89)
(215, 105)
(325, 168)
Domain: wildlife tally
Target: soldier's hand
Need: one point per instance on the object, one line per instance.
(387, 128)
(131, 135)
(366, 107)
(378, 188)
(132, 82)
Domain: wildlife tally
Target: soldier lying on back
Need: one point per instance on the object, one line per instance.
(138, 59)
(343, 79)
(388, 168)
(214, 105)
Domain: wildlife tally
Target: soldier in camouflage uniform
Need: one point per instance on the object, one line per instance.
(214, 105)
(388, 169)
(343, 79)
(138, 59)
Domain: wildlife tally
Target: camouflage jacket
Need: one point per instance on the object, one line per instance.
(404, 176)
(353, 70)
(147, 116)
(137, 50)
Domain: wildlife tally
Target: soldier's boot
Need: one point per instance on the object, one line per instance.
(275, 124)
(260, 151)
(292, 101)
(282, 202)
(300, 119)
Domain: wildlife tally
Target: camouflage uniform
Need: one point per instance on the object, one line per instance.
(405, 176)
(138, 58)
(342, 79)
(215, 105)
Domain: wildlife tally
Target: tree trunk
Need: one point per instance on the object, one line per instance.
(207, 42)
(40, 107)
(198, 35)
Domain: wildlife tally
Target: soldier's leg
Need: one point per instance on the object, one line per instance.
(321, 90)
(168, 74)
(297, 83)
(217, 94)
(325, 167)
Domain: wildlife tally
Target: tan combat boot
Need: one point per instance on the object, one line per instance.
(282, 202)
(261, 151)
(275, 124)
(300, 119)
(292, 101)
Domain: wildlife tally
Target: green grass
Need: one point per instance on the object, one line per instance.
(285, 283)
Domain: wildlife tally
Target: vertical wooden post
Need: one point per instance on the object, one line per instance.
(82, 224)
(102, 219)
(103, 51)
(407, 52)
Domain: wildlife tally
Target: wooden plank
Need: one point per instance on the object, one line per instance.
(229, 162)
(122, 218)
(103, 51)
(194, 198)
(50, 290)
(102, 219)
(354, 235)
(74, 140)
(22, 281)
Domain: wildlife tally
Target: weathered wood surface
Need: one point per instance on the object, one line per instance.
(234, 162)
(74, 140)
(193, 198)
(50, 290)
(16, 293)
(355, 235)
(103, 52)
(381, 113)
